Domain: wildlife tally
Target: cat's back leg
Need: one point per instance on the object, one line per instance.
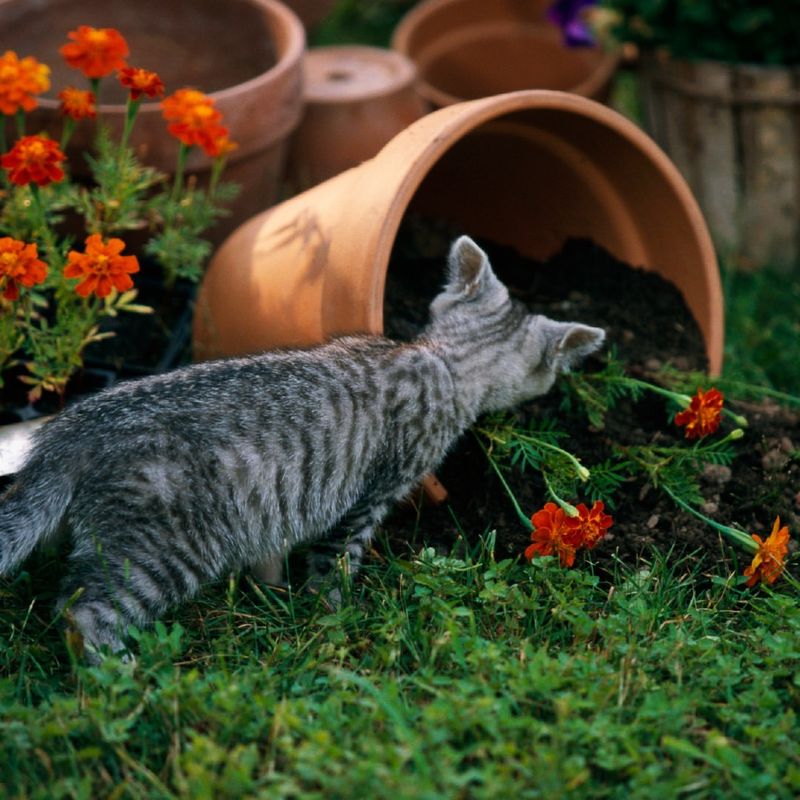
(114, 580)
(349, 539)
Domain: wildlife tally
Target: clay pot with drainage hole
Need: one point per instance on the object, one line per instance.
(356, 99)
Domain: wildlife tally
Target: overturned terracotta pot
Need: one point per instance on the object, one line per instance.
(465, 49)
(246, 54)
(527, 169)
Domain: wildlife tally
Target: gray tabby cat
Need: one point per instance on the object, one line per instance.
(171, 482)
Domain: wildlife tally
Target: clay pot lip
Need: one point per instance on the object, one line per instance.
(404, 72)
(607, 64)
(290, 51)
(468, 116)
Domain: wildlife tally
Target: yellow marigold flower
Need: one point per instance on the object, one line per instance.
(101, 267)
(768, 562)
(20, 81)
(19, 263)
(96, 52)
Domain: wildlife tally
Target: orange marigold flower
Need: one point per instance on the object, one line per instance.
(590, 526)
(20, 81)
(78, 103)
(195, 121)
(218, 143)
(96, 52)
(19, 263)
(141, 81)
(703, 415)
(551, 535)
(768, 562)
(34, 159)
(101, 267)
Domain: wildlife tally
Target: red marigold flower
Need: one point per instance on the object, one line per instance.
(101, 267)
(590, 526)
(768, 562)
(34, 159)
(96, 52)
(703, 415)
(141, 81)
(19, 263)
(195, 121)
(550, 535)
(78, 103)
(20, 81)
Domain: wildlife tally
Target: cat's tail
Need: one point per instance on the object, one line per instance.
(31, 510)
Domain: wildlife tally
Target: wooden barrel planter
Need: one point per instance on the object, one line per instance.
(733, 130)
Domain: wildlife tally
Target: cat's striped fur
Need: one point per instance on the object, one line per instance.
(170, 482)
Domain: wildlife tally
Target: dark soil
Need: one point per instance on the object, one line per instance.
(141, 344)
(144, 344)
(648, 325)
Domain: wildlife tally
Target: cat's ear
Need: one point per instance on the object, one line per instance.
(568, 343)
(468, 269)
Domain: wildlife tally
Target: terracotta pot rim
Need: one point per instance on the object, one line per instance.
(467, 116)
(405, 76)
(287, 58)
(606, 66)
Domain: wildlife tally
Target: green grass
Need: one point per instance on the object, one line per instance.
(442, 677)
(762, 328)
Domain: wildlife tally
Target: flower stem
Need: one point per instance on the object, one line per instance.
(520, 513)
(569, 509)
(216, 171)
(66, 132)
(20, 120)
(131, 110)
(682, 400)
(581, 471)
(94, 86)
(740, 537)
(177, 184)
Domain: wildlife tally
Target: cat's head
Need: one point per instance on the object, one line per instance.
(509, 354)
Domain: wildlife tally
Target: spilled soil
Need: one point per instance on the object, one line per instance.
(648, 326)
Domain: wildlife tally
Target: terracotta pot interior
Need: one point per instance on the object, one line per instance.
(465, 49)
(207, 44)
(502, 58)
(534, 178)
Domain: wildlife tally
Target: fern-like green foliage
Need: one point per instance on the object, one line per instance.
(539, 446)
(179, 246)
(597, 393)
(121, 184)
